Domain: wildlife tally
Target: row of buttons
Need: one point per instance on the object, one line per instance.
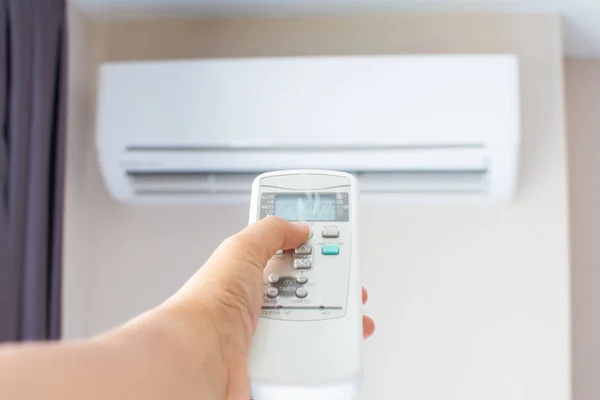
(274, 279)
(328, 233)
(306, 249)
(301, 292)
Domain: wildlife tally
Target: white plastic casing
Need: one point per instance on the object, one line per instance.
(412, 128)
(312, 353)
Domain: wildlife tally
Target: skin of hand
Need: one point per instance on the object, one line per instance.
(193, 346)
(229, 288)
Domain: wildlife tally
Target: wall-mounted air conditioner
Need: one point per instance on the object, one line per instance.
(412, 128)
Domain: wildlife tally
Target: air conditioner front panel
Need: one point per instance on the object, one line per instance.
(315, 101)
(417, 128)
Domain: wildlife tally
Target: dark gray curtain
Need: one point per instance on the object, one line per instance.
(32, 151)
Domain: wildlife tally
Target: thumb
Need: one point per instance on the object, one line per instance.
(256, 244)
(237, 264)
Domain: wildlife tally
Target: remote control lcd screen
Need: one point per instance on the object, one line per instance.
(306, 207)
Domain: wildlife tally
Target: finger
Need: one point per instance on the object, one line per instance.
(368, 327)
(365, 296)
(259, 241)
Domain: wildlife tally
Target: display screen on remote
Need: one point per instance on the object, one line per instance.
(306, 207)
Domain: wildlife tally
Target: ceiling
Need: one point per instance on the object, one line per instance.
(581, 33)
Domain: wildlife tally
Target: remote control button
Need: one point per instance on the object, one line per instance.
(272, 292)
(279, 252)
(303, 250)
(301, 280)
(301, 293)
(330, 233)
(273, 279)
(330, 250)
(302, 263)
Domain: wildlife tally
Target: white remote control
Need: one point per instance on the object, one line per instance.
(308, 343)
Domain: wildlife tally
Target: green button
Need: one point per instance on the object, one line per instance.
(330, 250)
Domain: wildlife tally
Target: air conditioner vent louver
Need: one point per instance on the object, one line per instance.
(188, 182)
(442, 182)
(191, 183)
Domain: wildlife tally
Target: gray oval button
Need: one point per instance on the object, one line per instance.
(330, 233)
(301, 293)
(272, 292)
(302, 280)
(273, 279)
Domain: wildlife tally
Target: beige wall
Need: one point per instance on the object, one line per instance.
(583, 105)
(471, 303)
(84, 56)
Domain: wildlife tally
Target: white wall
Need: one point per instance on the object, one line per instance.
(583, 105)
(471, 303)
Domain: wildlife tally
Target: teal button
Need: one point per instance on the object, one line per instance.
(330, 250)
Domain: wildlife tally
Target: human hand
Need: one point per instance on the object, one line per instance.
(193, 346)
(224, 298)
